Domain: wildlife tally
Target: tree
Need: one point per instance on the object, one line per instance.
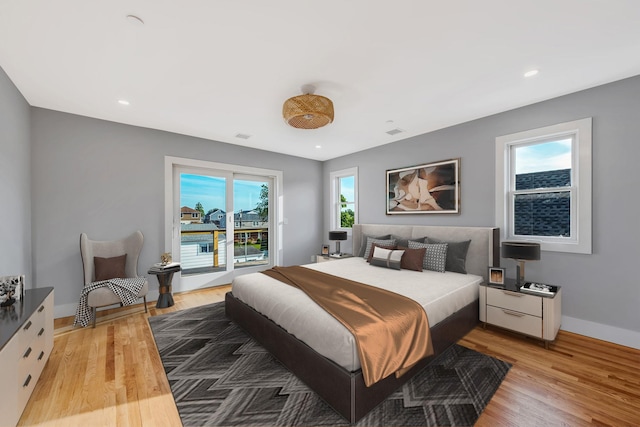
(347, 217)
(263, 205)
(200, 209)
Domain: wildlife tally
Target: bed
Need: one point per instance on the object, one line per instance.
(320, 354)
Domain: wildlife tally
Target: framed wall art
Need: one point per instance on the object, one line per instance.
(424, 189)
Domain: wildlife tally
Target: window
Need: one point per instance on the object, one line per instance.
(344, 199)
(543, 186)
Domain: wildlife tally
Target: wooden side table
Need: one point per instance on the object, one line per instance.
(165, 276)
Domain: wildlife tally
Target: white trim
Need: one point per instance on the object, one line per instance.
(581, 173)
(602, 332)
(172, 227)
(333, 185)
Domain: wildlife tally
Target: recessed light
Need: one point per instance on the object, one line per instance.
(531, 73)
(135, 20)
(318, 146)
(123, 102)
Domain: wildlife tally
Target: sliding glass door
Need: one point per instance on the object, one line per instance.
(224, 222)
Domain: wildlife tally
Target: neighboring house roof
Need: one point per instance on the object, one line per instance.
(247, 216)
(187, 209)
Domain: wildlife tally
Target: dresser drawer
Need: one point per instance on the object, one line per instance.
(514, 320)
(515, 301)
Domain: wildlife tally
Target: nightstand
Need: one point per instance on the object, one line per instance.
(324, 258)
(509, 308)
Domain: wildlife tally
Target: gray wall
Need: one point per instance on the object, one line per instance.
(602, 287)
(15, 182)
(107, 180)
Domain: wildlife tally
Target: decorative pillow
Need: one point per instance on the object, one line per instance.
(377, 245)
(387, 258)
(435, 257)
(401, 241)
(456, 255)
(372, 240)
(109, 268)
(364, 246)
(412, 258)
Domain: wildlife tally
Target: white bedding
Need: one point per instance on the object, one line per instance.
(441, 294)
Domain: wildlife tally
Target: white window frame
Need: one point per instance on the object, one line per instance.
(334, 178)
(581, 133)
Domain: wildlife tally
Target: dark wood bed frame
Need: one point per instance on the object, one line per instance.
(345, 391)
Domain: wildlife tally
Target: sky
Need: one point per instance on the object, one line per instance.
(210, 191)
(548, 156)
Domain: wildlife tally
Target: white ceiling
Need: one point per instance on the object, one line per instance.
(217, 68)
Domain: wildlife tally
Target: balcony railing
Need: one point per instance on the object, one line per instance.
(206, 251)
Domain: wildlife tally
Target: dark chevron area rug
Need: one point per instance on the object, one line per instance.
(220, 376)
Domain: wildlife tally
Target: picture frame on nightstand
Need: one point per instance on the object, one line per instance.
(325, 250)
(496, 276)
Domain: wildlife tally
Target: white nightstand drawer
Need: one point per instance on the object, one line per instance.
(515, 301)
(514, 320)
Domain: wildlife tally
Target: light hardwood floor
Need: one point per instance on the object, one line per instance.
(112, 375)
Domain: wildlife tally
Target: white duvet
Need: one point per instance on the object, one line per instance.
(441, 294)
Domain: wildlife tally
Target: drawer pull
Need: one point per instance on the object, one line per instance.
(41, 355)
(27, 353)
(513, 294)
(40, 309)
(41, 332)
(26, 383)
(27, 326)
(512, 313)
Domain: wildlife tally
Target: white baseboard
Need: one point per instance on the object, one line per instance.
(599, 331)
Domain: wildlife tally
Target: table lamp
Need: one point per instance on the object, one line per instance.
(521, 252)
(337, 236)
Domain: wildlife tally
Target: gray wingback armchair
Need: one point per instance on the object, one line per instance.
(131, 246)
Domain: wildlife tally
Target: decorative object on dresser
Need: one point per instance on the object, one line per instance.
(521, 252)
(325, 250)
(11, 289)
(26, 341)
(337, 236)
(428, 188)
(110, 266)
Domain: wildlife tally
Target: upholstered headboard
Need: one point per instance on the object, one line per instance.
(484, 249)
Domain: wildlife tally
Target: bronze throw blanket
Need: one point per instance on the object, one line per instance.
(391, 331)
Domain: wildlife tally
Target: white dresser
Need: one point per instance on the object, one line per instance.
(26, 341)
(534, 315)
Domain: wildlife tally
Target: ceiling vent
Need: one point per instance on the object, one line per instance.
(243, 136)
(395, 131)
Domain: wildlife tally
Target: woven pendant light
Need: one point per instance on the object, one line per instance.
(308, 111)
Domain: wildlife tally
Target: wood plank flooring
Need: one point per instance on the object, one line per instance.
(112, 376)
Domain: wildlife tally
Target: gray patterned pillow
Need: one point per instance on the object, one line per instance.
(363, 245)
(381, 242)
(456, 254)
(435, 257)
